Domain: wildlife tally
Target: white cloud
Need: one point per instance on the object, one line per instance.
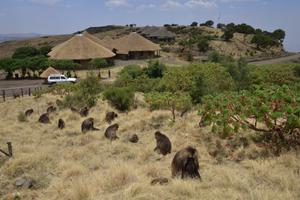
(116, 3)
(202, 3)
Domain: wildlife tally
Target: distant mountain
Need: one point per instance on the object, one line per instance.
(18, 36)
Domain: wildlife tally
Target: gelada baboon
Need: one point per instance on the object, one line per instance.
(51, 109)
(111, 132)
(185, 164)
(74, 109)
(28, 112)
(163, 143)
(61, 124)
(133, 138)
(84, 112)
(110, 116)
(88, 125)
(44, 118)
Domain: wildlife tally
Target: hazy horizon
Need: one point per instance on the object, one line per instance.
(68, 16)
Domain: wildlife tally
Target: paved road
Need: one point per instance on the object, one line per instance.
(277, 60)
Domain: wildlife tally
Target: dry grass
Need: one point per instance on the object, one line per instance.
(70, 165)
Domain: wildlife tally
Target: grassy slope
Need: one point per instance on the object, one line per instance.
(71, 165)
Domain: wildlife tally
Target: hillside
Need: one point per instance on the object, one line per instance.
(66, 164)
(239, 46)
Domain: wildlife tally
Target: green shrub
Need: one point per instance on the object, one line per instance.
(203, 44)
(133, 71)
(297, 70)
(121, 98)
(24, 52)
(155, 69)
(276, 74)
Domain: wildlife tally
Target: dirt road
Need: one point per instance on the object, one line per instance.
(277, 60)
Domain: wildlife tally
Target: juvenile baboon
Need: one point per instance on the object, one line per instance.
(163, 144)
(61, 124)
(111, 132)
(74, 110)
(44, 118)
(133, 138)
(51, 109)
(185, 164)
(88, 125)
(84, 112)
(110, 116)
(28, 112)
(16, 95)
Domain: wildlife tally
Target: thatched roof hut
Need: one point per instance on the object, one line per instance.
(48, 72)
(108, 42)
(134, 43)
(80, 47)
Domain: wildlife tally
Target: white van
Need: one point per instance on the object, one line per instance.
(58, 78)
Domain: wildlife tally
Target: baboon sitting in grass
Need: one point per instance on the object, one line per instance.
(111, 132)
(84, 112)
(163, 143)
(44, 118)
(28, 112)
(110, 116)
(185, 164)
(88, 125)
(61, 124)
(51, 109)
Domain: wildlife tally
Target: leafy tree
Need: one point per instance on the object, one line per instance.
(9, 66)
(99, 63)
(24, 52)
(63, 64)
(203, 44)
(132, 71)
(263, 40)
(155, 69)
(279, 34)
(275, 108)
(37, 63)
(221, 26)
(44, 50)
(121, 98)
(170, 101)
(244, 28)
(194, 24)
(228, 34)
(208, 23)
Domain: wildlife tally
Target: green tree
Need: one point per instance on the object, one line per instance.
(99, 63)
(24, 52)
(194, 24)
(228, 34)
(279, 34)
(170, 101)
(9, 66)
(44, 50)
(121, 98)
(203, 44)
(155, 69)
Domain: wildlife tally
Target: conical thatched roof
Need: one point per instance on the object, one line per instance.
(48, 72)
(134, 42)
(108, 42)
(80, 47)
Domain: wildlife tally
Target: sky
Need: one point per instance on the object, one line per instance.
(68, 16)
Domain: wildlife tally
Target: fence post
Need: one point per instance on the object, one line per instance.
(29, 91)
(22, 92)
(10, 150)
(3, 95)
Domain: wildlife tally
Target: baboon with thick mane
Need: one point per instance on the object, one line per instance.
(111, 132)
(44, 118)
(110, 116)
(185, 164)
(88, 125)
(28, 112)
(61, 124)
(163, 143)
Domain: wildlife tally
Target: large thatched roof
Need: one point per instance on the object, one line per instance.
(48, 72)
(80, 47)
(134, 42)
(108, 42)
